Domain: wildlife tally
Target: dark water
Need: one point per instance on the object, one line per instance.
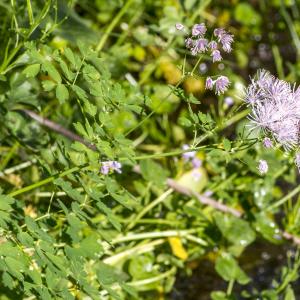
(261, 262)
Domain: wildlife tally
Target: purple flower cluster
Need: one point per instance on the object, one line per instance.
(110, 166)
(198, 43)
(275, 109)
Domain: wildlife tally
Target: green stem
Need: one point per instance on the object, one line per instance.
(112, 260)
(196, 65)
(166, 154)
(152, 204)
(152, 235)
(47, 180)
(154, 279)
(284, 199)
(230, 287)
(112, 25)
(154, 110)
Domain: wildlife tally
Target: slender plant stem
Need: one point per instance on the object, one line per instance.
(112, 260)
(152, 235)
(230, 287)
(154, 110)
(294, 192)
(112, 25)
(152, 204)
(47, 180)
(153, 279)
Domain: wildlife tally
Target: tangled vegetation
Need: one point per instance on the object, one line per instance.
(143, 141)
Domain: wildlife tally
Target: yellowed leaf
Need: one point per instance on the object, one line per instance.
(177, 248)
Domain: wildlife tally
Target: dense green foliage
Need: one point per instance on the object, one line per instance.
(85, 82)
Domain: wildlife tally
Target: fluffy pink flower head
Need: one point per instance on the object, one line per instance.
(275, 108)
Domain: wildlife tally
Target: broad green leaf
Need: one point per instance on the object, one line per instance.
(62, 93)
(289, 294)
(228, 269)
(32, 71)
(90, 108)
(48, 85)
(152, 171)
(267, 227)
(246, 14)
(234, 229)
(70, 56)
(226, 145)
(52, 72)
(67, 187)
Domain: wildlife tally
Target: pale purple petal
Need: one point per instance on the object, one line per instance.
(216, 55)
(263, 167)
(187, 155)
(222, 84)
(228, 101)
(267, 142)
(213, 45)
(200, 46)
(179, 26)
(199, 29)
(209, 84)
(196, 162)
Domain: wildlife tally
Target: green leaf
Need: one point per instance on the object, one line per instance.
(52, 72)
(267, 227)
(152, 171)
(226, 145)
(15, 267)
(183, 121)
(289, 294)
(227, 267)
(66, 186)
(70, 56)
(106, 274)
(246, 14)
(48, 85)
(62, 93)
(90, 108)
(235, 230)
(219, 295)
(32, 71)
